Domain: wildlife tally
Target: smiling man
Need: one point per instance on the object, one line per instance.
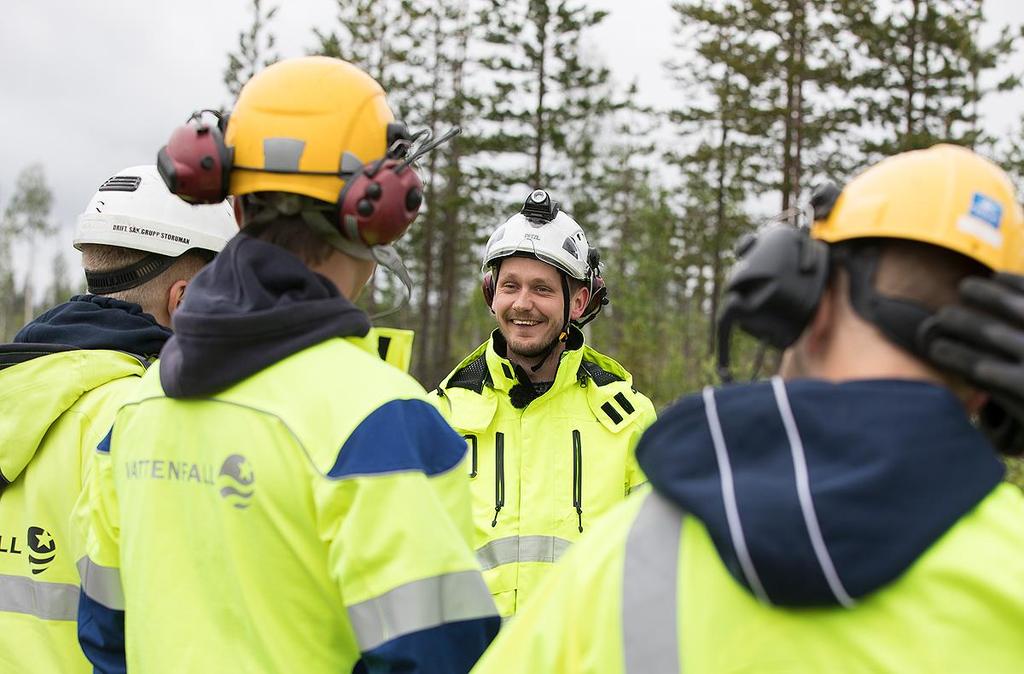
(551, 423)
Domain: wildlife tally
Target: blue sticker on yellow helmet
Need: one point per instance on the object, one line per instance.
(986, 209)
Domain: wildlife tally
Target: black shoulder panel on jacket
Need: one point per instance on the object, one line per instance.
(21, 352)
(473, 376)
(593, 370)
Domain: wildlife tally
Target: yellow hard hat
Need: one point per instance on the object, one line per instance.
(946, 196)
(312, 114)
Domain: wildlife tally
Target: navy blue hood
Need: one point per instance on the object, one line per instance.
(817, 493)
(254, 305)
(97, 322)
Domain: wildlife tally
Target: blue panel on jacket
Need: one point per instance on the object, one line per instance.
(400, 435)
(451, 648)
(101, 634)
(104, 445)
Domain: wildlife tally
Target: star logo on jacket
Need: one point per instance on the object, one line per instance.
(236, 479)
(42, 549)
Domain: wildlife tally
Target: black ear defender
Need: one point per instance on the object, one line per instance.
(777, 282)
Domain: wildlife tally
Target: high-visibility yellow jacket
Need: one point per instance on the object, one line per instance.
(782, 541)
(312, 517)
(959, 609)
(393, 345)
(541, 475)
(55, 407)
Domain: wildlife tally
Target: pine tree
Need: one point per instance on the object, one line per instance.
(429, 243)
(634, 228)
(383, 38)
(442, 240)
(379, 36)
(920, 80)
(1009, 153)
(9, 317)
(27, 220)
(255, 50)
(806, 70)
(418, 52)
(61, 286)
(547, 96)
(723, 125)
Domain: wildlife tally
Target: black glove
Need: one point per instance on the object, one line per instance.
(982, 340)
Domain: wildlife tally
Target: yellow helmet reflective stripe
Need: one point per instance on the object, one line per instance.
(311, 114)
(946, 196)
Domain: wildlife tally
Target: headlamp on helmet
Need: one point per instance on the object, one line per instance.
(543, 231)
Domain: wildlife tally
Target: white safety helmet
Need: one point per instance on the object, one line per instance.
(135, 210)
(543, 231)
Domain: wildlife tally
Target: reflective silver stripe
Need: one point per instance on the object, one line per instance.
(282, 154)
(732, 512)
(49, 601)
(101, 583)
(521, 549)
(803, 489)
(420, 605)
(650, 633)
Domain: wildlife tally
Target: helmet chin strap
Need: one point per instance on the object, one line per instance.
(563, 335)
(385, 256)
(388, 257)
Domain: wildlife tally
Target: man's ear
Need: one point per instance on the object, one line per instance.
(236, 204)
(579, 302)
(175, 296)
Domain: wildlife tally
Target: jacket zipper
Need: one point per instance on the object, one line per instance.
(577, 476)
(471, 439)
(499, 475)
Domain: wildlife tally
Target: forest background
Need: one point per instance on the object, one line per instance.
(772, 98)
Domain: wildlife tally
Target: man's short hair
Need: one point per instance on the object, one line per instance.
(928, 275)
(153, 293)
(263, 220)
(923, 273)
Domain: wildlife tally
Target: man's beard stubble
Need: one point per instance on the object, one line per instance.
(531, 352)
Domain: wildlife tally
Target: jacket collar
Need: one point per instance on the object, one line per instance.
(817, 493)
(254, 305)
(97, 322)
(504, 374)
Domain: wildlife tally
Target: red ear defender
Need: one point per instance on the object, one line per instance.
(598, 300)
(195, 163)
(487, 286)
(379, 203)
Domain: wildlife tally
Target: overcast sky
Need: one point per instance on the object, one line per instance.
(91, 86)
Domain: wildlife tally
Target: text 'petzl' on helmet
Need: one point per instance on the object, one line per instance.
(543, 231)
